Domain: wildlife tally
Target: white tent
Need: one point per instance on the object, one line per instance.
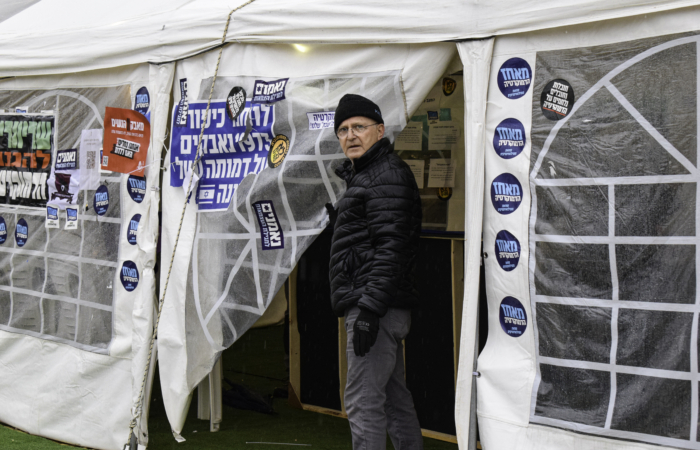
(528, 393)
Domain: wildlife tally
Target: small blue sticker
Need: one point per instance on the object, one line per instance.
(514, 78)
(507, 250)
(3, 231)
(133, 229)
(129, 276)
(142, 103)
(136, 187)
(506, 193)
(21, 232)
(101, 202)
(509, 138)
(513, 317)
(51, 213)
(433, 115)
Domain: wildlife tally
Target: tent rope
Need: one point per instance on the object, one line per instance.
(139, 402)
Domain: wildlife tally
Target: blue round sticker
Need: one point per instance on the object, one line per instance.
(133, 229)
(509, 138)
(514, 78)
(513, 317)
(129, 276)
(21, 232)
(101, 202)
(143, 101)
(506, 193)
(3, 231)
(507, 250)
(136, 187)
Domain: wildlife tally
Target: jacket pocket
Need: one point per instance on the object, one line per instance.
(351, 264)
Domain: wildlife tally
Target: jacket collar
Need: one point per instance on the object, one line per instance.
(380, 148)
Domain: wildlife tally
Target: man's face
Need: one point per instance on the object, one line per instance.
(354, 144)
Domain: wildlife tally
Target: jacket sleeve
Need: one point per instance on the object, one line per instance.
(389, 208)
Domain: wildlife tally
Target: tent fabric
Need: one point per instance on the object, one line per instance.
(73, 339)
(34, 43)
(580, 327)
(227, 268)
(476, 58)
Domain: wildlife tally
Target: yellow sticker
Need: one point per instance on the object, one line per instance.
(278, 150)
(444, 193)
(448, 86)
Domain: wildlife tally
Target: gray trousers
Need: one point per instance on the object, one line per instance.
(376, 397)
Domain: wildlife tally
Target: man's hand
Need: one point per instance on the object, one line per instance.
(365, 332)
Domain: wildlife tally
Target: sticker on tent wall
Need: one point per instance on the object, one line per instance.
(271, 235)
(514, 78)
(182, 107)
(279, 147)
(136, 186)
(448, 86)
(506, 193)
(444, 193)
(3, 231)
(269, 91)
(321, 120)
(509, 138)
(512, 317)
(557, 99)
(67, 159)
(507, 250)
(235, 103)
(101, 201)
(142, 103)
(71, 219)
(133, 229)
(129, 276)
(21, 232)
(51, 217)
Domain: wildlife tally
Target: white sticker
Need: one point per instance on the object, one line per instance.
(321, 120)
(22, 109)
(90, 145)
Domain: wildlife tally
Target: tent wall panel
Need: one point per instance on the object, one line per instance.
(74, 355)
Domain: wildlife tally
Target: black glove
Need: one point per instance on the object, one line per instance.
(365, 332)
(332, 215)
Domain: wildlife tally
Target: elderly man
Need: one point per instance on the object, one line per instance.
(373, 254)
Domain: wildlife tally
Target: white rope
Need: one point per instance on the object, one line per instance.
(138, 405)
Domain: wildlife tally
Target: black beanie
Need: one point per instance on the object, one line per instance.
(352, 105)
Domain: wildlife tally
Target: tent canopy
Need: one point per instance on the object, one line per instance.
(34, 42)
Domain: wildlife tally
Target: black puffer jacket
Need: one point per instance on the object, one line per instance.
(376, 234)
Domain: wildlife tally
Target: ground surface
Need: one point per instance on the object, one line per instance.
(256, 361)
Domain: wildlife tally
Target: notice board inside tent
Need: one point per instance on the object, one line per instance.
(592, 219)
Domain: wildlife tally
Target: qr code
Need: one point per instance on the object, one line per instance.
(105, 160)
(91, 160)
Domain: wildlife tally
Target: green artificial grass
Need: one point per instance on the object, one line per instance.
(257, 362)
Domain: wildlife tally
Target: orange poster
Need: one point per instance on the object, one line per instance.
(126, 139)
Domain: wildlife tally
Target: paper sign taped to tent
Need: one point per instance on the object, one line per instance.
(225, 161)
(26, 144)
(126, 138)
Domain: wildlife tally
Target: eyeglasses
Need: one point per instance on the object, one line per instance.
(356, 129)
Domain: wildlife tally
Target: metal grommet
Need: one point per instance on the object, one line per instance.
(477, 374)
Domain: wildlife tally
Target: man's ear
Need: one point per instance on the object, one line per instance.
(380, 129)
